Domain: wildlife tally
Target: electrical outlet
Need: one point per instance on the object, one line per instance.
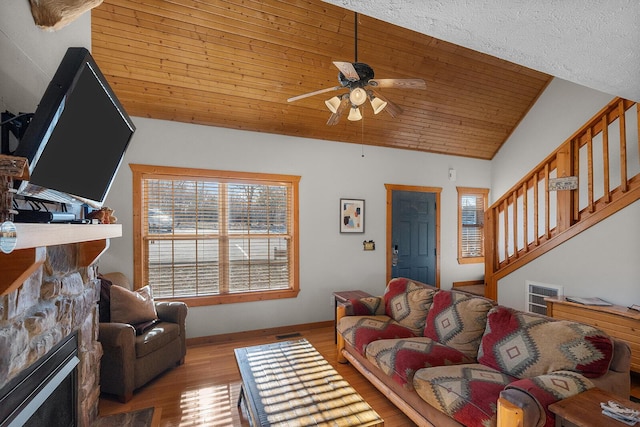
(332, 301)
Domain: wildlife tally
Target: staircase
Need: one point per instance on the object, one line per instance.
(602, 157)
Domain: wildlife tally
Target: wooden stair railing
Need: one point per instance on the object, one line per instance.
(529, 219)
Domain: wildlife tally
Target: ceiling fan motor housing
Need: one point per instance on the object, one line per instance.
(365, 72)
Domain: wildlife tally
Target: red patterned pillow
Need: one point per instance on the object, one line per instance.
(367, 306)
(526, 345)
(408, 303)
(458, 320)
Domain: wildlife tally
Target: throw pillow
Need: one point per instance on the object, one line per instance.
(367, 306)
(132, 306)
(526, 345)
(408, 303)
(458, 320)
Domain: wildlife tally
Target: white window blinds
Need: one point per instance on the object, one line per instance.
(472, 204)
(207, 237)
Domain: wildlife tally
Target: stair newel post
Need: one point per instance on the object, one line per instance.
(490, 254)
(564, 164)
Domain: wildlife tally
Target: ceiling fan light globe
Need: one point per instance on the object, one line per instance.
(333, 104)
(378, 105)
(358, 96)
(354, 114)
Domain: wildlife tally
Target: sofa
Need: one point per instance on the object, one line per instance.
(449, 358)
(140, 338)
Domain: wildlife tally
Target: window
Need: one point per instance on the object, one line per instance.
(212, 237)
(471, 205)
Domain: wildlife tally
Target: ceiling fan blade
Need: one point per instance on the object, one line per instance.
(334, 118)
(399, 83)
(317, 92)
(393, 109)
(347, 69)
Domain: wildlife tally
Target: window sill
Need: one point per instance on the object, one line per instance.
(202, 301)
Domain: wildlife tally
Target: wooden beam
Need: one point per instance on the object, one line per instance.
(54, 14)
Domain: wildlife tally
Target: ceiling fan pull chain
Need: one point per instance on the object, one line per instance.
(362, 136)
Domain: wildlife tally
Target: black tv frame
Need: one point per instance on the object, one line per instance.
(48, 113)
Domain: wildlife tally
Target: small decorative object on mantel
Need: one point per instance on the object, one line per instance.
(104, 215)
(351, 216)
(10, 167)
(369, 246)
(8, 237)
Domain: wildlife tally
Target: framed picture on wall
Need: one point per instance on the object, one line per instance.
(351, 216)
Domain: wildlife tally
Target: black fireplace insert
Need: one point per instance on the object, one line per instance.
(45, 394)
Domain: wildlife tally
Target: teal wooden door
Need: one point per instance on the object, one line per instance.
(413, 236)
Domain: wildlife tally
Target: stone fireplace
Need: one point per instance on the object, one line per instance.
(58, 300)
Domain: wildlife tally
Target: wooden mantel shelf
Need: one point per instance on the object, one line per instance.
(33, 239)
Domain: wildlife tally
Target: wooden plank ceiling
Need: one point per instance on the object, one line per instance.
(234, 64)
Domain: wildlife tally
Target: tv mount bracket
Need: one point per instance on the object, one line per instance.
(16, 124)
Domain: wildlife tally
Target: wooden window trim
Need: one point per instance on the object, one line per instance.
(140, 172)
(464, 191)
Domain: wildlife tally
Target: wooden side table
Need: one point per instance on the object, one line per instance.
(583, 410)
(342, 298)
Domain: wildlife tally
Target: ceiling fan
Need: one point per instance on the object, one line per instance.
(358, 78)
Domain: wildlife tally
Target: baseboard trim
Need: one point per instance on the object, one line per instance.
(237, 336)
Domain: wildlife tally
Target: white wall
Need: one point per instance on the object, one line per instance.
(329, 261)
(603, 261)
(30, 56)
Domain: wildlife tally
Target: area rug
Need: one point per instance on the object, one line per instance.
(139, 418)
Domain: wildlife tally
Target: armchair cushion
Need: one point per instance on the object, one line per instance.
(143, 327)
(156, 338)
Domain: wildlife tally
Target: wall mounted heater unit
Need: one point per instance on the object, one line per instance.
(536, 293)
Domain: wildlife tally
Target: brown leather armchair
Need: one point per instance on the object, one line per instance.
(129, 361)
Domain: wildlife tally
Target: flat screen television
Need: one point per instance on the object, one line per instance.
(77, 137)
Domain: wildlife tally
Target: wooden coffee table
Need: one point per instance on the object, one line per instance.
(584, 410)
(289, 383)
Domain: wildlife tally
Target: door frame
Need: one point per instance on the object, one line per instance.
(415, 188)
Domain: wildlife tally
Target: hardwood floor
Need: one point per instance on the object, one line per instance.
(204, 391)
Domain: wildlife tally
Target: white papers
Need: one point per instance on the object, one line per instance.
(588, 301)
(621, 413)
